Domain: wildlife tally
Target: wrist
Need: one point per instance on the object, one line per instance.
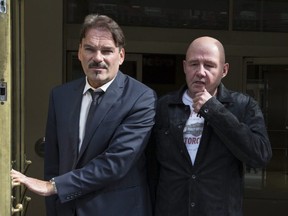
(52, 181)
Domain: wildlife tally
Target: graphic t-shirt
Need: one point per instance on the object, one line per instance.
(193, 129)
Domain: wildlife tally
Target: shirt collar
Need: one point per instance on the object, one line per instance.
(103, 87)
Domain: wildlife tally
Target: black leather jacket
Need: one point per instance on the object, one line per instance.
(234, 134)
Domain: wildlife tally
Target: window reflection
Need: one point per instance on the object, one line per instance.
(260, 15)
(267, 83)
(206, 14)
(248, 15)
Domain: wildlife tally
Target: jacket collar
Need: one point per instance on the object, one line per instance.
(223, 94)
(177, 98)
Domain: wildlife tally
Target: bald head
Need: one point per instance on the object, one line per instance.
(204, 66)
(207, 43)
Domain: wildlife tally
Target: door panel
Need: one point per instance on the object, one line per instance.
(266, 81)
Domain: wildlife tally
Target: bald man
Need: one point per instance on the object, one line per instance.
(203, 136)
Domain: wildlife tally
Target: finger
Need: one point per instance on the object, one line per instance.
(14, 172)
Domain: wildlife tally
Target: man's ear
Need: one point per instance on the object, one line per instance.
(225, 70)
(184, 66)
(122, 55)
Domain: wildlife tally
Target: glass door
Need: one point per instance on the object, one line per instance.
(266, 81)
(132, 66)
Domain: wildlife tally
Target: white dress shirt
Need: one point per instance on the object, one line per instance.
(86, 102)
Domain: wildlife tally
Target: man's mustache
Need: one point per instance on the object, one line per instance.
(97, 65)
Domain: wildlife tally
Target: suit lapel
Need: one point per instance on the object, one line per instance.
(75, 117)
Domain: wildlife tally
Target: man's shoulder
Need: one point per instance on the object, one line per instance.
(236, 96)
(168, 96)
(135, 84)
(171, 97)
(240, 96)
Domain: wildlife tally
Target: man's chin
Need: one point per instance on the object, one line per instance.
(198, 88)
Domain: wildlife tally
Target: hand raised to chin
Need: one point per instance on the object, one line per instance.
(200, 99)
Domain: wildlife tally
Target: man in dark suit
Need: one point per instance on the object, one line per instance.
(97, 169)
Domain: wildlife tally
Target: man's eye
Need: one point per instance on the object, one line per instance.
(193, 64)
(89, 49)
(209, 65)
(107, 51)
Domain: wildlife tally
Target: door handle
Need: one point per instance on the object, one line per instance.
(23, 201)
(18, 208)
(27, 164)
(14, 184)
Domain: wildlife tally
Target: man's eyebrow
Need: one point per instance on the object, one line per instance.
(87, 45)
(210, 62)
(192, 61)
(108, 47)
(95, 47)
(206, 61)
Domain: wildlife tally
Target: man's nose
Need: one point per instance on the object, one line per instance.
(201, 71)
(97, 57)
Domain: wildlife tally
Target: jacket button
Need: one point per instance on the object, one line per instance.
(206, 110)
(192, 204)
(193, 176)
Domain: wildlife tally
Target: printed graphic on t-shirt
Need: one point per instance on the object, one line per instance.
(193, 129)
(192, 135)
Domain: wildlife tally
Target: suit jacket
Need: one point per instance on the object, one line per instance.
(108, 176)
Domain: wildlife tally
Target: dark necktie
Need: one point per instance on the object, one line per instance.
(95, 101)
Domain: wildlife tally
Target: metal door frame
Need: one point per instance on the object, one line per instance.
(5, 107)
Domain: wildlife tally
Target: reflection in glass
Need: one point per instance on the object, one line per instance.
(205, 14)
(260, 15)
(268, 85)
